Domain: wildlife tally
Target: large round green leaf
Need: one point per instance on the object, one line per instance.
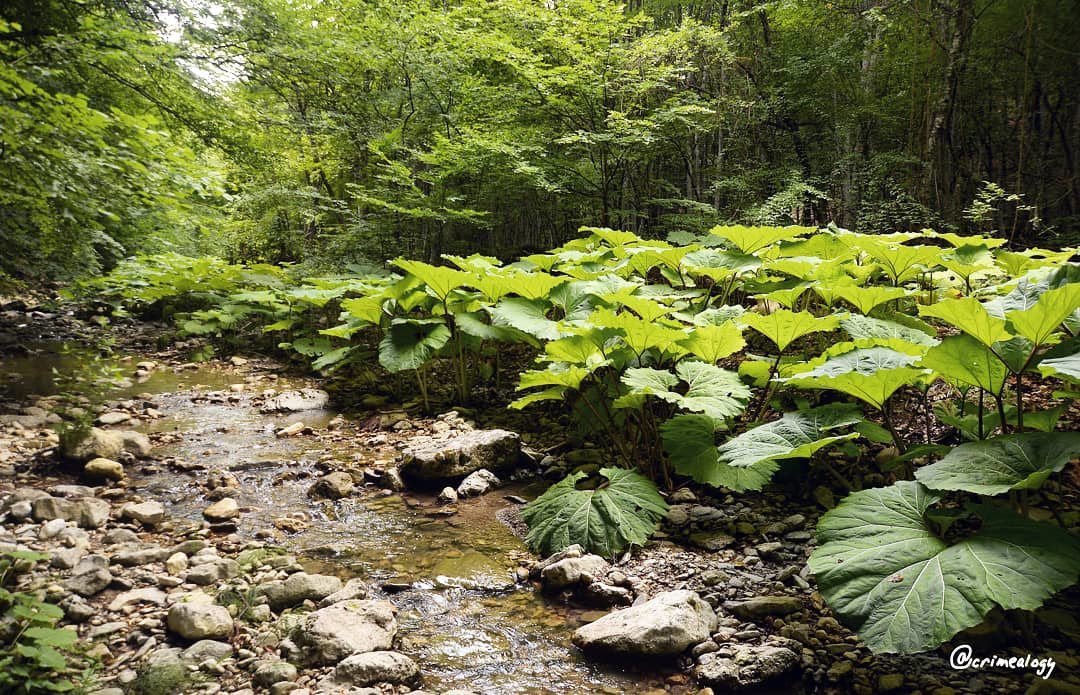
(964, 359)
(795, 435)
(689, 441)
(410, 343)
(1000, 464)
(623, 511)
(885, 572)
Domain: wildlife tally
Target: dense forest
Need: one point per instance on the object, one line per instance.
(336, 132)
(539, 347)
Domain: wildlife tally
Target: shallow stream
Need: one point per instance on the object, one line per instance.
(462, 617)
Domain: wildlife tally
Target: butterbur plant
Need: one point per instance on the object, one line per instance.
(718, 357)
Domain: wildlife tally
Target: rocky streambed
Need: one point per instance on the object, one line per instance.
(224, 531)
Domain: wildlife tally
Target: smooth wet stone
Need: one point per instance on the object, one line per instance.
(574, 570)
(222, 510)
(744, 667)
(667, 625)
(299, 587)
(102, 469)
(355, 588)
(460, 455)
(333, 486)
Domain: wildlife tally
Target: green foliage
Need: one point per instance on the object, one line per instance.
(36, 656)
(608, 516)
(886, 570)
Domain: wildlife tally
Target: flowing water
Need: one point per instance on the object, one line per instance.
(462, 618)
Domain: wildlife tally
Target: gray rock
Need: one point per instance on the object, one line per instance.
(333, 486)
(212, 572)
(274, 671)
(376, 667)
(150, 513)
(20, 509)
(87, 512)
(665, 626)
(137, 444)
(447, 496)
(440, 459)
(71, 491)
(67, 558)
(222, 510)
(76, 610)
(197, 621)
(574, 550)
(50, 529)
(478, 483)
(298, 588)
(135, 556)
(574, 570)
(207, 649)
(117, 536)
(355, 588)
(745, 666)
(23, 494)
(114, 417)
(96, 443)
(143, 595)
(92, 581)
(349, 627)
(297, 401)
(763, 606)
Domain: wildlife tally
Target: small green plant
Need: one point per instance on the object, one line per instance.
(35, 655)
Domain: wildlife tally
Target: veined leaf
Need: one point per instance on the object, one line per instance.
(713, 343)
(366, 309)
(716, 392)
(869, 374)
(689, 443)
(440, 281)
(1067, 368)
(1040, 321)
(964, 359)
(751, 239)
(866, 298)
(795, 435)
(862, 327)
(623, 511)
(901, 263)
(569, 376)
(528, 315)
(994, 466)
(784, 327)
(886, 573)
(472, 323)
(639, 335)
(970, 316)
(410, 343)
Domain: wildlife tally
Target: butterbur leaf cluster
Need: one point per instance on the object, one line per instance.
(718, 357)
